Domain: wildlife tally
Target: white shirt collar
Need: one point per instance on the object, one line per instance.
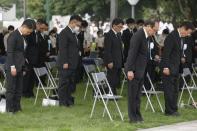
(114, 31)
(146, 34)
(20, 31)
(179, 32)
(70, 28)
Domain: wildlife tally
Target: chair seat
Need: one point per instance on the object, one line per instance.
(191, 88)
(48, 88)
(153, 92)
(109, 96)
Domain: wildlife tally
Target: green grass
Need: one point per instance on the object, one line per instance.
(76, 118)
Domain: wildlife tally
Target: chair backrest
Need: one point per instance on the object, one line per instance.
(89, 68)
(186, 72)
(41, 71)
(98, 62)
(101, 82)
(99, 77)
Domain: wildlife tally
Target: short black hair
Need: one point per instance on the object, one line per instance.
(46, 23)
(150, 22)
(84, 23)
(187, 25)
(117, 21)
(76, 17)
(166, 31)
(10, 27)
(41, 21)
(130, 21)
(140, 21)
(29, 23)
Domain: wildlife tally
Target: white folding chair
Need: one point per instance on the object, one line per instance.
(151, 92)
(123, 81)
(100, 81)
(89, 69)
(2, 70)
(51, 66)
(189, 86)
(50, 86)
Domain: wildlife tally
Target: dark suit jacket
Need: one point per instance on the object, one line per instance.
(138, 54)
(172, 52)
(43, 48)
(194, 52)
(32, 50)
(126, 37)
(113, 49)
(15, 51)
(68, 49)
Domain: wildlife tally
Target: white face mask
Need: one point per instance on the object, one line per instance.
(45, 32)
(76, 30)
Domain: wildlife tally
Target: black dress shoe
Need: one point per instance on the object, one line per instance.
(173, 114)
(140, 119)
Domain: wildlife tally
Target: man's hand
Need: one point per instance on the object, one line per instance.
(65, 66)
(183, 60)
(166, 71)
(157, 58)
(13, 71)
(110, 65)
(130, 75)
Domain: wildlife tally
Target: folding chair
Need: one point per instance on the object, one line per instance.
(189, 86)
(51, 66)
(123, 81)
(50, 86)
(89, 69)
(151, 92)
(100, 80)
(2, 70)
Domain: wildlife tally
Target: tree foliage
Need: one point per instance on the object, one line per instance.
(168, 10)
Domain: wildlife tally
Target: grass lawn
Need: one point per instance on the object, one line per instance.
(76, 118)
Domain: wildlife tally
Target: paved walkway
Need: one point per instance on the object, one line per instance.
(184, 126)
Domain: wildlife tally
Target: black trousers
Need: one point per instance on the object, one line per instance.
(171, 90)
(29, 80)
(113, 77)
(134, 94)
(67, 86)
(14, 91)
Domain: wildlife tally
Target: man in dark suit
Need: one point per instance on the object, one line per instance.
(171, 59)
(68, 59)
(135, 67)
(126, 36)
(15, 64)
(32, 56)
(113, 56)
